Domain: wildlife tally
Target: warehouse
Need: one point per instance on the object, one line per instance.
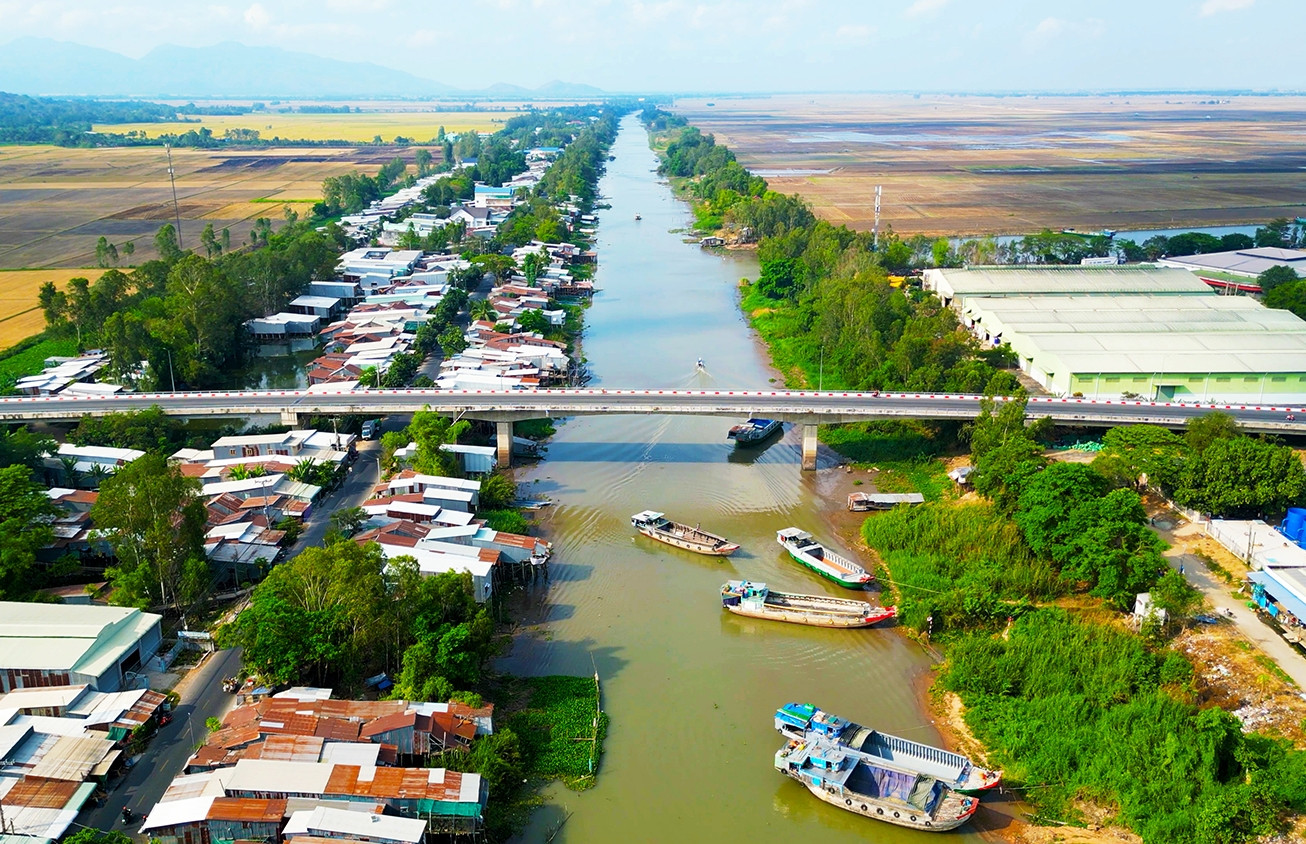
(64, 644)
(1169, 338)
(1247, 263)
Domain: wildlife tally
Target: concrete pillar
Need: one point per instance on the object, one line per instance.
(290, 417)
(809, 447)
(503, 436)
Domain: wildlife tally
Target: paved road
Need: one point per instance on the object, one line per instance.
(362, 477)
(791, 406)
(201, 698)
(1248, 622)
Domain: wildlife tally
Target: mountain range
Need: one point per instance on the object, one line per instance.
(44, 66)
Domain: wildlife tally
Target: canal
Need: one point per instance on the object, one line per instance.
(689, 688)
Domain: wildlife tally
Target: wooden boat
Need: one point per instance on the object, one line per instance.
(658, 526)
(860, 502)
(866, 786)
(754, 431)
(826, 563)
(743, 597)
(801, 721)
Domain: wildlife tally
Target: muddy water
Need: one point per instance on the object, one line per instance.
(690, 689)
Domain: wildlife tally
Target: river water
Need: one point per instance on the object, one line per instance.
(689, 688)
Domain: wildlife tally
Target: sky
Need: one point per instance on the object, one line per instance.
(732, 45)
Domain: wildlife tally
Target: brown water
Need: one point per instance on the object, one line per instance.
(689, 688)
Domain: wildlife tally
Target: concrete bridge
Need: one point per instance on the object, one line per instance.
(809, 409)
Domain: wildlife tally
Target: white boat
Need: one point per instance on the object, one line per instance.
(657, 526)
(808, 552)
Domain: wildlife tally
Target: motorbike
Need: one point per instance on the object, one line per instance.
(127, 815)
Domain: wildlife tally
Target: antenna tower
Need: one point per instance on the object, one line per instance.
(176, 209)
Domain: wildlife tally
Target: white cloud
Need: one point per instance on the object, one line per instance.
(922, 8)
(1214, 7)
(854, 32)
(257, 16)
(1053, 29)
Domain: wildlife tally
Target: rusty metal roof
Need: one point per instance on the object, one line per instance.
(398, 721)
(41, 793)
(247, 810)
(288, 748)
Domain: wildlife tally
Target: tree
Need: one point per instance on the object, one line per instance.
(209, 240)
(452, 341)
(1001, 474)
(154, 519)
(25, 516)
(997, 423)
(422, 158)
(165, 243)
(430, 430)
(531, 265)
(129, 248)
(1200, 432)
(482, 309)
(1288, 297)
(498, 492)
(86, 835)
(1173, 594)
(1242, 478)
(1132, 451)
(369, 377)
(1276, 276)
(348, 520)
(1051, 508)
(534, 321)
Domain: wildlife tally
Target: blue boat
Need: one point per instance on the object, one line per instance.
(754, 431)
(803, 721)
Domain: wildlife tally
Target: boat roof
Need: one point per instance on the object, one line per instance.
(740, 585)
(651, 515)
(760, 422)
(793, 533)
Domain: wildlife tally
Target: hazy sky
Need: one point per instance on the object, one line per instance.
(736, 45)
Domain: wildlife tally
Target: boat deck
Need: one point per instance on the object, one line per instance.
(932, 761)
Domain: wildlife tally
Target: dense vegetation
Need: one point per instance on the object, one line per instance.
(1078, 710)
(183, 314)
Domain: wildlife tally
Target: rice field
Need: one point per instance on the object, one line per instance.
(355, 127)
(55, 202)
(968, 165)
(20, 315)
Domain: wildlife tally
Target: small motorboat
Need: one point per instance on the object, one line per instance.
(754, 431)
(637, 217)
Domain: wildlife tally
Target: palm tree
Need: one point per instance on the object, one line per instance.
(244, 473)
(483, 309)
(97, 474)
(70, 473)
(304, 472)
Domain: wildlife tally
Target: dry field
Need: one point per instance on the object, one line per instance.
(1013, 165)
(55, 202)
(20, 315)
(353, 127)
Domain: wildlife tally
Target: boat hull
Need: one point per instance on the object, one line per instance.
(689, 545)
(811, 618)
(848, 582)
(879, 810)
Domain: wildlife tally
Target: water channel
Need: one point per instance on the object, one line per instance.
(689, 688)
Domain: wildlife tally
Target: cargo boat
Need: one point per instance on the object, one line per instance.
(860, 502)
(754, 431)
(801, 721)
(808, 552)
(866, 786)
(658, 526)
(755, 600)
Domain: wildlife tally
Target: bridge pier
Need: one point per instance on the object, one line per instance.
(503, 439)
(290, 417)
(809, 447)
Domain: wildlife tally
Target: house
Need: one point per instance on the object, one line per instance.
(297, 444)
(330, 823)
(60, 373)
(63, 644)
(212, 819)
(326, 307)
(283, 325)
(88, 460)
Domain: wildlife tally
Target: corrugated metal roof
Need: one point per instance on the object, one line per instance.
(247, 810)
(41, 793)
(1053, 280)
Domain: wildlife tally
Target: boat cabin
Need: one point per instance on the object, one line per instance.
(650, 519)
(744, 593)
(799, 540)
(796, 719)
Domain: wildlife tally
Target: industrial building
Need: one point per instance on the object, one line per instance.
(65, 644)
(1153, 333)
(1247, 263)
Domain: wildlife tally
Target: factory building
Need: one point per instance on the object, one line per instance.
(1154, 333)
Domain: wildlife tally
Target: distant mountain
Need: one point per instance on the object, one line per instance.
(43, 66)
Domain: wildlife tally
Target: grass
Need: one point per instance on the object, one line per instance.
(31, 360)
(20, 315)
(905, 453)
(354, 127)
(557, 729)
(1215, 568)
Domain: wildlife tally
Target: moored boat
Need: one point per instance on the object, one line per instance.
(801, 721)
(658, 526)
(866, 786)
(754, 431)
(808, 552)
(755, 600)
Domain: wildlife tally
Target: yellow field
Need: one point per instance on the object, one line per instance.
(56, 202)
(353, 127)
(20, 315)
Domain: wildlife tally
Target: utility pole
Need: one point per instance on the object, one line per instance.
(176, 209)
(875, 230)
